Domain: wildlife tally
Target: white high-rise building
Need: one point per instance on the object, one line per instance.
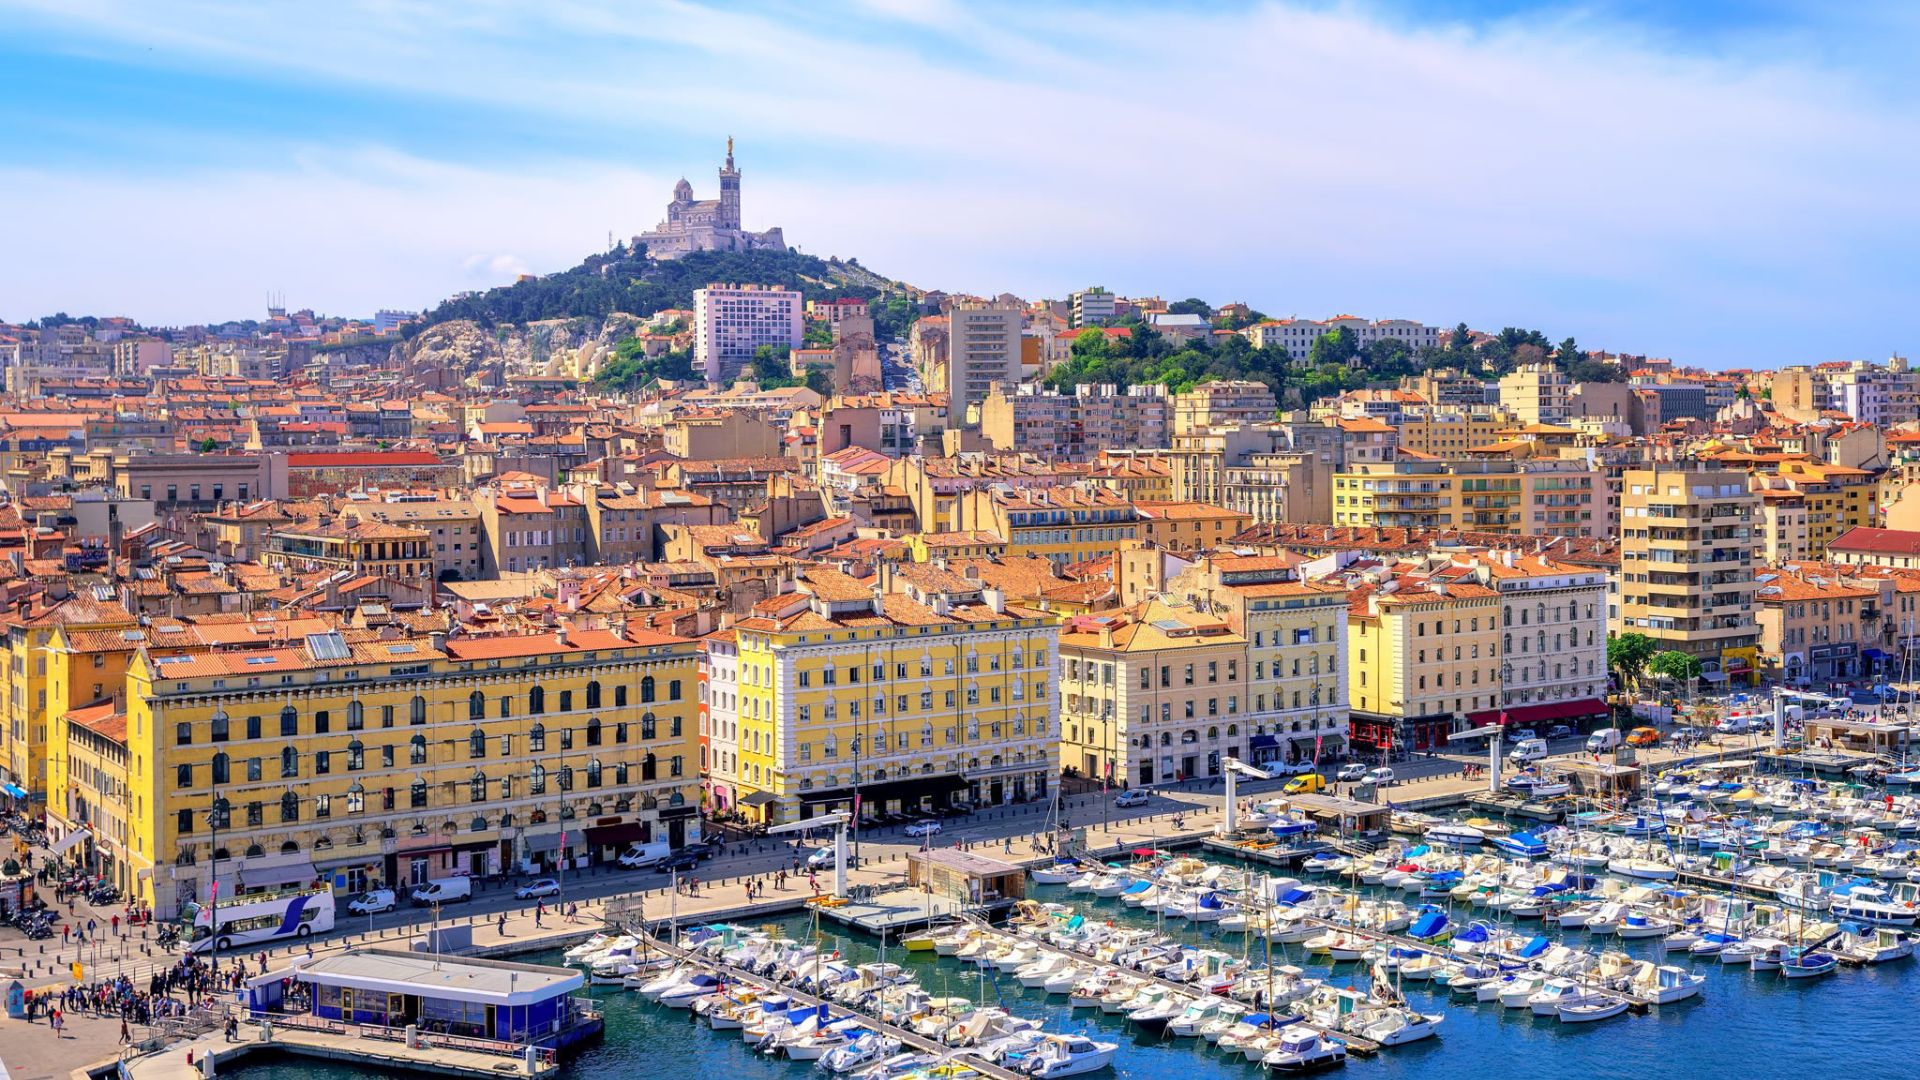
(731, 322)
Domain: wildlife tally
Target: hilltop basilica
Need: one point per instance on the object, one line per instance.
(709, 224)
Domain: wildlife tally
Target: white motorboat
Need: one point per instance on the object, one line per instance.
(1067, 1055)
(1302, 1049)
(1668, 985)
(1547, 1000)
(1644, 869)
(1463, 836)
(1057, 874)
(867, 1049)
(1590, 1007)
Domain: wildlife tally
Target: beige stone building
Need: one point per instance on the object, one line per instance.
(1152, 694)
(1688, 540)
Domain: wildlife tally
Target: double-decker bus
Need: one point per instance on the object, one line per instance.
(258, 917)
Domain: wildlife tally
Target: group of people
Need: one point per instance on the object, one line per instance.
(128, 1000)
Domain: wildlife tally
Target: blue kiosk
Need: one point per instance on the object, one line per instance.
(526, 1004)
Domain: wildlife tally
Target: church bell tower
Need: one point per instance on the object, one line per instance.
(729, 191)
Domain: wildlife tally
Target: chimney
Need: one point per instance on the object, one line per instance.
(437, 640)
(995, 599)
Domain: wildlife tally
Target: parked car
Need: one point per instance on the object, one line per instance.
(1733, 725)
(1643, 736)
(1305, 785)
(704, 849)
(1559, 731)
(1291, 768)
(373, 901)
(820, 858)
(1379, 776)
(1522, 734)
(1605, 739)
(679, 861)
(1131, 797)
(922, 828)
(537, 888)
(1351, 771)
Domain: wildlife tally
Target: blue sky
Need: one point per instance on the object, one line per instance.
(1722, 182)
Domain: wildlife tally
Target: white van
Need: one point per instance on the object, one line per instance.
(641, 856)
(1528, 750)
(444, 891)
(1603, 740)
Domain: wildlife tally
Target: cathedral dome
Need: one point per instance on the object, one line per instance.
(683, 191)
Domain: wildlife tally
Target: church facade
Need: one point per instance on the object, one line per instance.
(707, 224)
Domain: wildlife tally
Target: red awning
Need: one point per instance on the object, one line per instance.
(1536, 714)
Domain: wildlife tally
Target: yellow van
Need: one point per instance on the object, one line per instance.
(1305, 785)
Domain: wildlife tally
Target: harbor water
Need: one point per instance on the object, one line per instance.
(1755, 1025)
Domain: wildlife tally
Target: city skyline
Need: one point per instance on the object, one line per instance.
(1717, 185)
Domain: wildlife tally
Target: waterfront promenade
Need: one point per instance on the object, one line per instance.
(501, 925)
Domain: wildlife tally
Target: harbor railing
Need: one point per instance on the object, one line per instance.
(421, 1037)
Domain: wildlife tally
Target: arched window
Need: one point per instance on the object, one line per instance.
(593, 773)
(566, 701)
(537, 779)
(417, 750)
(476, 744)
(476, 706)
(289, 761)
(220, 815)
(593, 694)
(356, 716)
(289, 721)
(537, 738)
(417, 793)
(222, 768)
(646, 689)
(593, 732)
(417, 710)
(536, 700)
(477, 787)
(218, 727)
(289, 807)
(356, 798)
(356, 755)
(565, 777)
(620, 697)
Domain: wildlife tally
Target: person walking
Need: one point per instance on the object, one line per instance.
(501, 926)
(539, 912)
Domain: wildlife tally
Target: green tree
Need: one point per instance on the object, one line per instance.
(1389, 358)
(1627, 657)
(819, 380)
(1192, 305)
(1569, 353)
(1676, 665)
(1335, 349)
(208, 445)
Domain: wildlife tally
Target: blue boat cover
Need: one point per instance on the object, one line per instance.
(1428, 924)
(1474, 933)
(1211, 901)
(1535, 947)
(1294, 896)
(1137, 887)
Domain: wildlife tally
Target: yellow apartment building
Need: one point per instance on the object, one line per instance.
(394, 761)
(1544, 497)
(926, 692)
(1423, 653)
(1189, 526)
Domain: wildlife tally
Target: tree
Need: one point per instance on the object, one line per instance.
(1335, 349)
(1389, 358)
(1627, 657)
(208, 445)
(1676, 665)
(1192, 305)
(1569, 354)
(819, 380)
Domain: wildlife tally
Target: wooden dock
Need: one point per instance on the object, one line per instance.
(907, 1038)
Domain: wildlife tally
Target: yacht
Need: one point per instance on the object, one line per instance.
(1590, 1007)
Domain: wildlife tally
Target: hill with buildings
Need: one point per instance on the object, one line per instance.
(626, 280)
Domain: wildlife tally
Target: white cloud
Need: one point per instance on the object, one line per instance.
(1564, 172)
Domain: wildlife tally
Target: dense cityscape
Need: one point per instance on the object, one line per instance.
(586, 587)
